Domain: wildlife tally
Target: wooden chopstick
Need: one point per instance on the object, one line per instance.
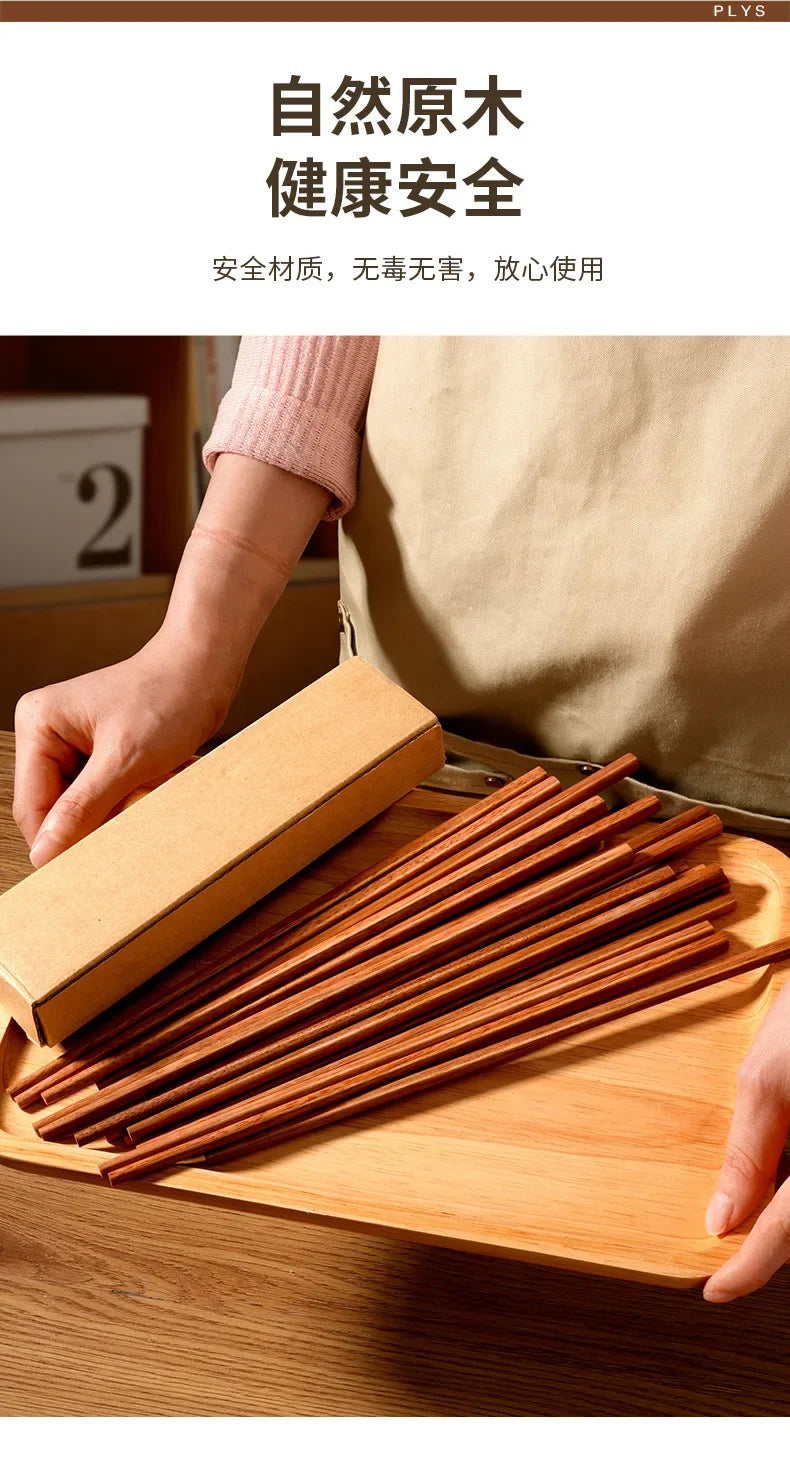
(414, 914)
(498, 1053)
(524, 951)
(327, 1025)
(524, 834)
(138, 1083)
(449, 1072)
(666, 846)
(507, 824)
(544, 845)
(499, 962)
(505, 921)
(393, 1021)
(534, 809)
(494, 809)
(581, 790)
(501, 916)
(659, 832)
(672, 839)
(188, 974)
(536, 900)
(493, 1051)
(387, 1060)
(291, 1033)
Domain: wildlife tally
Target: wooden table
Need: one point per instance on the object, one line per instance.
(129, 1304)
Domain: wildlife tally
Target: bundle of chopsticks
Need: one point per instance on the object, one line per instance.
(532, 915)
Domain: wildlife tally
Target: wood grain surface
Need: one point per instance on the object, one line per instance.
(146, 1304)
(599, 1152)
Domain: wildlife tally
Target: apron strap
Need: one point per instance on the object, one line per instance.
(474, 768)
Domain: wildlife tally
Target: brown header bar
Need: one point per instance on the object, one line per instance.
(725, 12)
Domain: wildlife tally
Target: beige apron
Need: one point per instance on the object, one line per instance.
(573, 547)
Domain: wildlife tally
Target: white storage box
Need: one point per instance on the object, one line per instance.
(70, 488)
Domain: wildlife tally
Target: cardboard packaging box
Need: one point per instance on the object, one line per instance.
(85, 930)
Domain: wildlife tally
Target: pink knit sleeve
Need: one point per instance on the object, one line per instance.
(299, 402)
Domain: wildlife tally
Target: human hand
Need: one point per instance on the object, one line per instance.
(82, 746)
(757, 1137)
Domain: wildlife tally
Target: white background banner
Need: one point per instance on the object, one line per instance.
(135, 155)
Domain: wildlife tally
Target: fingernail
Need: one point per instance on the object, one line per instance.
(719, 1213)
(717, 1297)
(45, 846)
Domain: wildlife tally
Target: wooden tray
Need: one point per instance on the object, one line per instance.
(597, 1155)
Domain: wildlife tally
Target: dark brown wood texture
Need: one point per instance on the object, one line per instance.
(389, 919)
(172, 991)
(446, 1050)
(372, 1014)
(249, 1072)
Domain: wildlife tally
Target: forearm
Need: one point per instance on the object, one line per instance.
(283, 454)
(253, 526)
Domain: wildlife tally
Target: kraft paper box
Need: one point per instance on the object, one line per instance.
(86, 929)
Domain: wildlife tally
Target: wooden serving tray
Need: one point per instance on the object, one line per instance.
(597, 1155)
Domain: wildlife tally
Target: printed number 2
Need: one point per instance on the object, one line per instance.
(95, 556)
